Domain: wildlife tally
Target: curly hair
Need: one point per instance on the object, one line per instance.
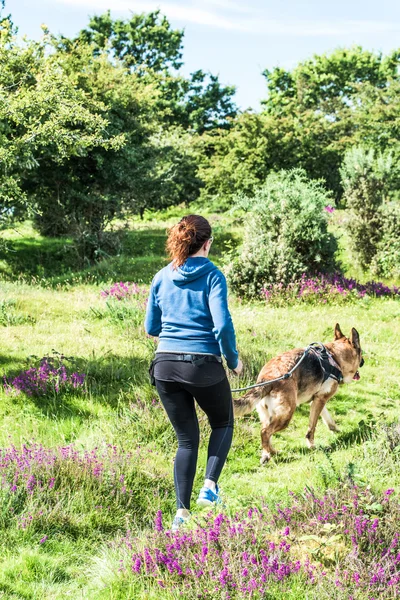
(187, 237)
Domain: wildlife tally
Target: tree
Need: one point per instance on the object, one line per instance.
(43, 118)
(82, 140)
(323, 97)
(365, 177)
(147, 45)
(328, 82)
(146, 41)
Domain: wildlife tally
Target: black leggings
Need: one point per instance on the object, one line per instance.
(216, 402)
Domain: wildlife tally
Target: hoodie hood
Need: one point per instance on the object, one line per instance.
(192, 269)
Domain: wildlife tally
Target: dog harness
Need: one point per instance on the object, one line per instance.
(328, 364)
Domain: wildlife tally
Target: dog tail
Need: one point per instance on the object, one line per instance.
(248, 402)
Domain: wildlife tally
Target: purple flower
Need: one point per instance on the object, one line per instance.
(158, 522)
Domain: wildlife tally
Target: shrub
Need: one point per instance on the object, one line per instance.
(386, 261)
(332, 288)
(47, 376)
(286, 233)
(365, 178)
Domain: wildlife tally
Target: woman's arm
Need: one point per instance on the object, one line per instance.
(223, 325)
(152, 323)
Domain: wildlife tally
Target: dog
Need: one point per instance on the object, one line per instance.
(315, 381)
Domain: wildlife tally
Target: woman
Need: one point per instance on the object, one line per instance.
(188, 311)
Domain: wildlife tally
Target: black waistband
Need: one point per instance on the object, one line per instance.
(196, 359)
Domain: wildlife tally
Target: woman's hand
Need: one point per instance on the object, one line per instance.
(239, 368)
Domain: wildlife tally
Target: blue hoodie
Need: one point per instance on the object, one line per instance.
(188, 310)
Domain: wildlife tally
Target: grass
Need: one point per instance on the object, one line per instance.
(46, 306)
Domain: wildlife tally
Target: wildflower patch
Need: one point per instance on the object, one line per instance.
(50, 375)
(326, 289)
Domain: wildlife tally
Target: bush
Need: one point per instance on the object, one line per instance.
(365, 179)
(386, 261)
(286, 233)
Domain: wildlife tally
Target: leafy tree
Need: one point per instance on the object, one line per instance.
(206, 105)
(145, 41)
(152, 168)
(43, 118)
(82, 140)
(327, 82)
(365, 181)
(147, 45)
(324, 99)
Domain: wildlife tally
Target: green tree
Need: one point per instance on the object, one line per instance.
(365, 180)
(43, 118)
(324, 99)
(327, 82)
(147, 45)
(82, 140)
(145, 41)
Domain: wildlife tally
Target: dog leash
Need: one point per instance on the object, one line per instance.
(309, 348)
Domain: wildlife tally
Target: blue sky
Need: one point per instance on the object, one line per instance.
(237, 39)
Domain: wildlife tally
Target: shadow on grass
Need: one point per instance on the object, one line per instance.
(356, 436)
(106, 377)
(55, 261)
(12, 594)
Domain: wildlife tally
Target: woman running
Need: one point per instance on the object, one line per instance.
(188, 311)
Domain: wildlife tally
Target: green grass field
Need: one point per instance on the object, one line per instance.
(46, 307)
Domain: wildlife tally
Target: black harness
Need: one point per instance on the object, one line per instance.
(196, 359)
(328, 364)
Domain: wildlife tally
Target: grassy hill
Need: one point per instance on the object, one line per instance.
(84, 472)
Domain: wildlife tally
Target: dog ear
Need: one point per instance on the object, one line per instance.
(355, 339)
(338, 332)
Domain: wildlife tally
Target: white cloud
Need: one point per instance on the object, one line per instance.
(223, 14)
(184, 13)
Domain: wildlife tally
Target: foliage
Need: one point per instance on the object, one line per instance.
(286, 233)
(325, 289)
(259, 551)
(328, 82)
(85, 143)
(386, 261)
(147, 45)
(311, 116)
(364, 179)
(145, 41)
(238, 160)
(44, 118)
(46, 376)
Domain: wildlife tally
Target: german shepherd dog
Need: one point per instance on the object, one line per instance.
(276, 403)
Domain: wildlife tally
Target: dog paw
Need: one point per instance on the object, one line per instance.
(310, 444)
(265, 457)
(334, 428)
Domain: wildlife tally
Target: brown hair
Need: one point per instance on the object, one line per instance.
(187, 237)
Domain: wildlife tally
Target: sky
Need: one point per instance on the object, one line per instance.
(236, 39)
